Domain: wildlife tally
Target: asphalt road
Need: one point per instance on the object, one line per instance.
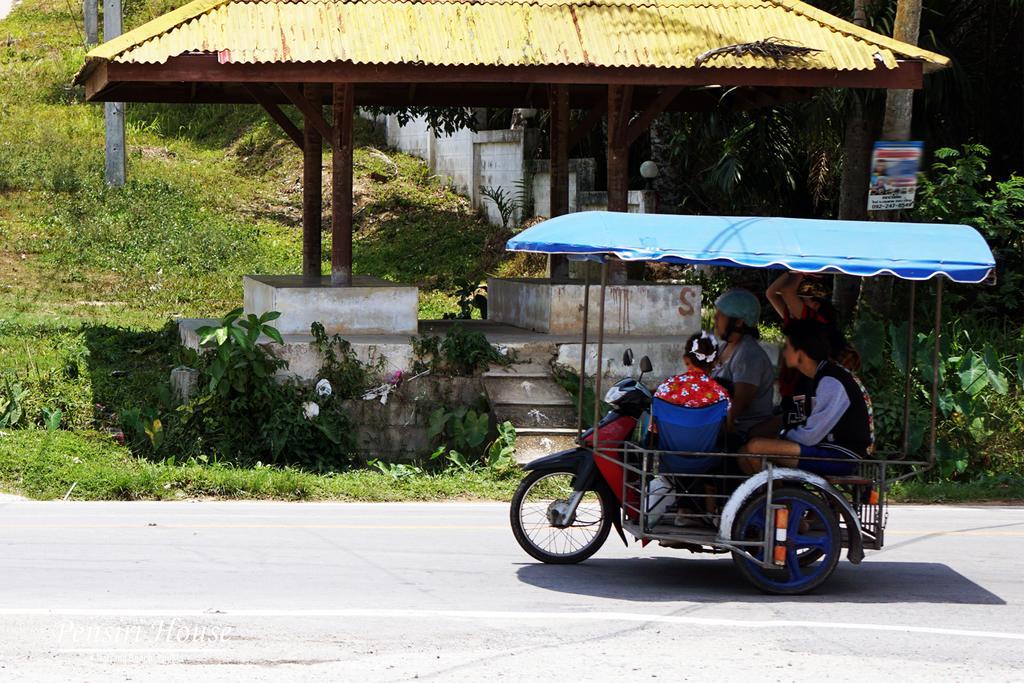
(270, 591)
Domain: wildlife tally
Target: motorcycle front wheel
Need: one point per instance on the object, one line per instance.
(537, 502)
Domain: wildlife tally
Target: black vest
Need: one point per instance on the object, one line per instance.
(853, 431)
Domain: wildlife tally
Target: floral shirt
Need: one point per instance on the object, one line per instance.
(693, 389)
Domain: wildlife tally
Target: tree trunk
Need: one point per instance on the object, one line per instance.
(899, 107)
(853, 185)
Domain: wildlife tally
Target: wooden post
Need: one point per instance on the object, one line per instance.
(341, 186)
(619, 107)
(113, 112)
(312, 191)
(618, 148)
(558, 99)
(90, 16)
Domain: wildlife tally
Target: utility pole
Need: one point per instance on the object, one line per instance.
(113, 112)
(90, 12)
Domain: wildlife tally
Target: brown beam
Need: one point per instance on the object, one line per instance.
(619, 109)
(657, 106)
(558, 138)
(559, 143)
(205, 68)
(310, 110)
(274, 111)
(619, 103)
(343, 108)
(312, 191)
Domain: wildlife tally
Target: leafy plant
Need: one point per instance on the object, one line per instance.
(12, 412)
(462, 429)
(501, 452)
(974, 377)
(507, 204)
(471, 296)
(349, 377)
(461, 352)
(395, 470)
(52, 418)
(960, 190)
(569, 380)
(240, 363)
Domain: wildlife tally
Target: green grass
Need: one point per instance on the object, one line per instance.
(212, 195)
(44, 466)
(1003, 488)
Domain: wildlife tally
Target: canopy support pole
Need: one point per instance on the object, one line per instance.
(312, 191)
(600, 352)
(341, 187)
(620, 104)
(910, 364)
(935, 368)
(558, 100)
(583, 350)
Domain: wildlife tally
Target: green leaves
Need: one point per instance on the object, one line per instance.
(980, 372)
(973, 375)
(12, 398)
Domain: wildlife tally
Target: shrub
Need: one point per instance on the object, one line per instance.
(461, 352)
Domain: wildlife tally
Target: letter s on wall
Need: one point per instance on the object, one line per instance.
(685, 296)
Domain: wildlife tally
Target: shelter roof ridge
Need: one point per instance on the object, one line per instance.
(646, 34)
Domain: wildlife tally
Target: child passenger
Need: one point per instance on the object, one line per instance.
(694, 388)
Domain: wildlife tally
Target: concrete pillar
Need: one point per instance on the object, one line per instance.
(90, 17)
(341, 186)
(113, 112)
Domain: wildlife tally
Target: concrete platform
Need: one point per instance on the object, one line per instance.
(368, 306)
(531, 349)
(632, 308)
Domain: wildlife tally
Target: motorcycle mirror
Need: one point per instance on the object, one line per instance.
(645, 365)
(627, 357)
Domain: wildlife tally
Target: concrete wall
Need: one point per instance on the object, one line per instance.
(502, 159)
(635, 308)
(369, 306)
(399, 430)
(639, 201)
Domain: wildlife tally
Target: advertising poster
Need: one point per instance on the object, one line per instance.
(894, 167)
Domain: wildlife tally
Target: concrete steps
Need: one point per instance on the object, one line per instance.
(542, 412)
(533, 443)
(528, 397)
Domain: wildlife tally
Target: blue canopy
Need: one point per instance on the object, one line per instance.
(911, 251)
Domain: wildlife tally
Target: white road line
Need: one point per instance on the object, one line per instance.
(488, 615)
(137, 650)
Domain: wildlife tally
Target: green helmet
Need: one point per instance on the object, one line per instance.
(740, 304)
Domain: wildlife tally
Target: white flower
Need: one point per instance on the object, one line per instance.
(310, 410)
(323, 388)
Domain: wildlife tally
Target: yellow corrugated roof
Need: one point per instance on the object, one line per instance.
(603, 33)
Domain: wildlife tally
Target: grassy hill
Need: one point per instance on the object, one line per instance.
(214, 192)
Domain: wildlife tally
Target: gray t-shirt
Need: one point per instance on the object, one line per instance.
(749, 364)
